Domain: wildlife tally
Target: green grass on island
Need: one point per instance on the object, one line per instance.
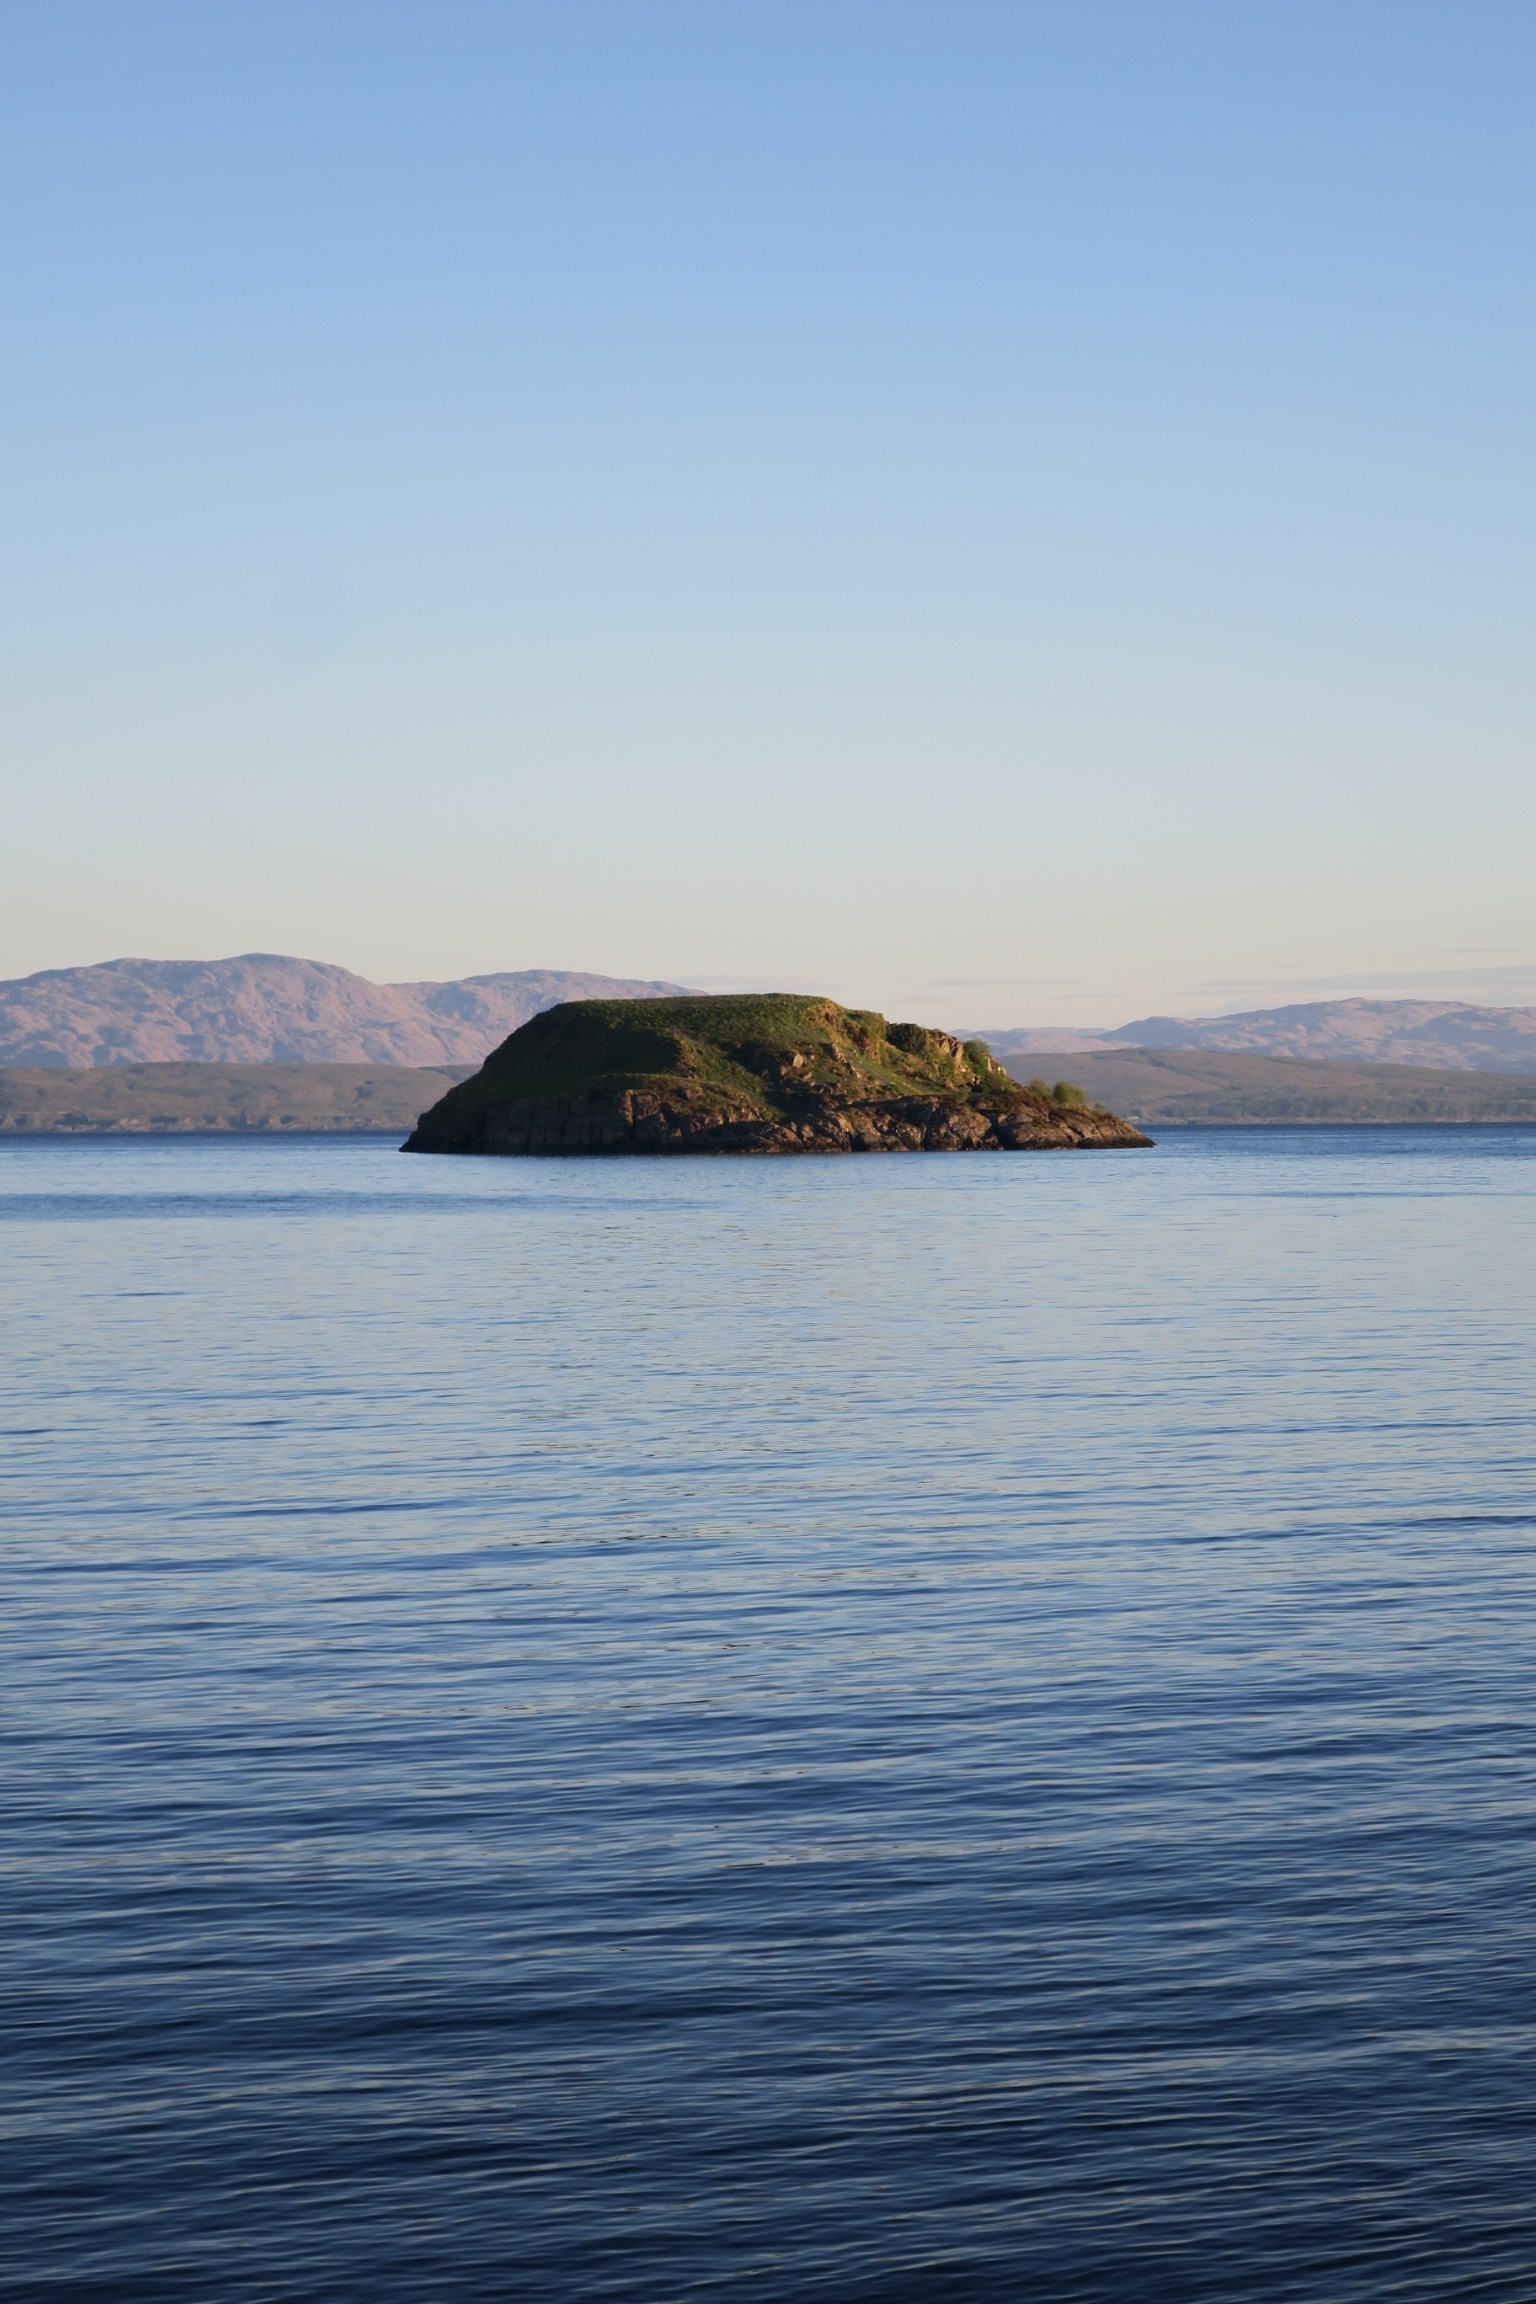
(731, 1042)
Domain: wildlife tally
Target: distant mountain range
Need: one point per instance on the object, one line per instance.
(264, 1009)
(1441, 1035)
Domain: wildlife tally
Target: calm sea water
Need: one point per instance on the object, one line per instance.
(882, 1729)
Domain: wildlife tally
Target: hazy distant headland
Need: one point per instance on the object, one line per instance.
(1439, 1035)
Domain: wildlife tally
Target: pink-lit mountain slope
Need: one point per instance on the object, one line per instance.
(265, 1009)
(1444, 1035)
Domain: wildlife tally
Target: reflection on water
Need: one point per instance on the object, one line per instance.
(890, 1729)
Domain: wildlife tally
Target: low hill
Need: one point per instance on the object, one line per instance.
(769, 1072)
(1437, 1035)
(199, 1099)
(1182, 1087)
(263, 1008)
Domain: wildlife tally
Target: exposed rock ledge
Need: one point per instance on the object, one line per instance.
(771, 1073)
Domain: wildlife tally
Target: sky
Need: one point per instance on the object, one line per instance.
(1005, 513)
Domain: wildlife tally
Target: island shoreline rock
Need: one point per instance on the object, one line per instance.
(765, 1074)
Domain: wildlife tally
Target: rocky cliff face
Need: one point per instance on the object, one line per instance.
(772, 1073)
(638, 1120)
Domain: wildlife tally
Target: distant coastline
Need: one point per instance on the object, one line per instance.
(220, 1099)
(1161, 1088)
(1190, 1087)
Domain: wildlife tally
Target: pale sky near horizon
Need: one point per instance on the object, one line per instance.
(1006, 513)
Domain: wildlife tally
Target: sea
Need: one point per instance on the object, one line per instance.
(882, 1729)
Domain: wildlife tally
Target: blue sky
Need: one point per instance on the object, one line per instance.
(1011, 513)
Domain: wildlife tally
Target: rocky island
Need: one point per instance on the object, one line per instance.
(761, 1072)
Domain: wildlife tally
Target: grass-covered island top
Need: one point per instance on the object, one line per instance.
(760, 1072)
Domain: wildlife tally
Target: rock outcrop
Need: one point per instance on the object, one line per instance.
(768, 1072)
